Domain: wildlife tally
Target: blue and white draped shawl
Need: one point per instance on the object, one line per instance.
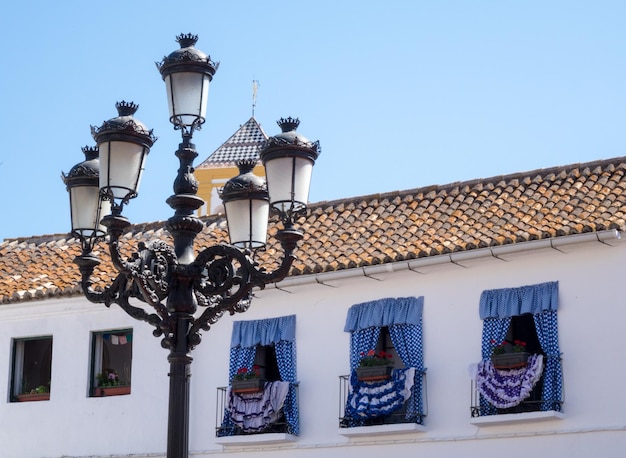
(376, 399)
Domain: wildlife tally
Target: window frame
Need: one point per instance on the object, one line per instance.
(96, 363)
(18, 354)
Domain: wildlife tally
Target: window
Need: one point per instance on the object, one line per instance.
(384, 345)
(521, 323)
(265, 360)
(267, 349)
(393, 327)
(112, 354)
(32, 369)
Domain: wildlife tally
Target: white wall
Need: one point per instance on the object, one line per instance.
(591, 318)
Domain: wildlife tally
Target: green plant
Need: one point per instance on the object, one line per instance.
(38, 390)
(108, 378)
(41, 389)
(243, 373)
(518, 346)
(371, 358)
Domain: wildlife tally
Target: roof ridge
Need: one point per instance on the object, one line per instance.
(133, 229)
(568, 168)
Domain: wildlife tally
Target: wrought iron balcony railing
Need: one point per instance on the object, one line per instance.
(223, 427)
(416, 414)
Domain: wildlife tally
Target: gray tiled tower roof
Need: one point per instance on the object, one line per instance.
(245, 143)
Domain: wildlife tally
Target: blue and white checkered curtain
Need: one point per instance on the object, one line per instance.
(499, 305)
(241, 357)
(547, 332)
(361, 342)
(286, 358)
(407, 340)
(494, 332)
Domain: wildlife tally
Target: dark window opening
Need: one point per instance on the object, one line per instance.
(385, 345)
(265, 359)
(523, 328)
(32, 367)
(111, 363)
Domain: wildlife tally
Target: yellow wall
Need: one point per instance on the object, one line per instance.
(212, 179)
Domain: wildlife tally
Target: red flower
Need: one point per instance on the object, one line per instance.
(371, 353)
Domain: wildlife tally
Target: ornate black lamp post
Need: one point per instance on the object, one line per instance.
(172, 284)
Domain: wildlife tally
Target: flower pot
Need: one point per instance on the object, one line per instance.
(251, 385)
(111, 390)
(510, 360)
(373, 373)
(33, 397)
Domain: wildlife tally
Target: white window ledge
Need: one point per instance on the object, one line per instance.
(256, 439)
(381, 430)
(527, 417)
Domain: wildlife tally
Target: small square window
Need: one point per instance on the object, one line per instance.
(112, 354)
(32, 369)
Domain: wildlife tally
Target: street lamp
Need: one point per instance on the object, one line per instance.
(172, 284)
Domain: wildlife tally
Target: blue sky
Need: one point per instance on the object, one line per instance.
(401, 94)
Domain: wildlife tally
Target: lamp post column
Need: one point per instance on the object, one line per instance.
(180, 373)
(181, 301)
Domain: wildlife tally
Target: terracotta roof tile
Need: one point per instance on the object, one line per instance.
(370, 230)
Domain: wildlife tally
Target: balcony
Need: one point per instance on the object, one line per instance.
(275, 427)
(412, 417)
(531, 408)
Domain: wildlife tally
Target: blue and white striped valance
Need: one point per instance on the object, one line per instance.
(263, 332)
(506, 302)
(384, 312)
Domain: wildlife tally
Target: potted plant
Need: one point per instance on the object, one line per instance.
(374, 366)
(109, 384)
(508, 355)
(248, 380)
(41, 393)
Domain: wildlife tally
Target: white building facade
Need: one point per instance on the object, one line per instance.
(590, 321)
(412, 274)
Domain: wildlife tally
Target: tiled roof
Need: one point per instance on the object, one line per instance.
(376, 229)
(245, 143)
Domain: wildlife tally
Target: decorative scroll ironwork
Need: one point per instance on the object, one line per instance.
(219, 280)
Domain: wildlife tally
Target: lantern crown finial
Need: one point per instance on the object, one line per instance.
(90, 152)
(186, 40)
(246, 165)
(125, 108)
(288, 124)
